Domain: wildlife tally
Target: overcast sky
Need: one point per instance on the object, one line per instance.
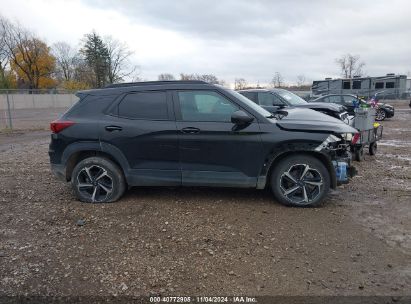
(234, 38)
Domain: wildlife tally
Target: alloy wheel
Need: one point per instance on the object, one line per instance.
(95, 183)
(301, 184)
(380, 115)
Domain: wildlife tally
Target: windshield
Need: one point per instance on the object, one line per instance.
(291, 98)
(249, 103)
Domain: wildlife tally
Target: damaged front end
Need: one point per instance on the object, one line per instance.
(337, 147)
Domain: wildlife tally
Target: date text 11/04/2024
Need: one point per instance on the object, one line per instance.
(203, 299)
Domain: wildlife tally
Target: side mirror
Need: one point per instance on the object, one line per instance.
(241, 118)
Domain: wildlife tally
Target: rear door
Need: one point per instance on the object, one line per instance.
(142, 126)
(213, 152)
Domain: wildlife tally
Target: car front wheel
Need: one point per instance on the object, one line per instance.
(97, 180)
(300, 181)
(380, 115)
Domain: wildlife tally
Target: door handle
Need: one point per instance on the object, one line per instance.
(113, 128)
(190, 130)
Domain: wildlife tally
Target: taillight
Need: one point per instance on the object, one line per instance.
(59, 125)
(355, 138)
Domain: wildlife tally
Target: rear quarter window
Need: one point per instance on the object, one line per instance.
(144, 105)
(90, 105)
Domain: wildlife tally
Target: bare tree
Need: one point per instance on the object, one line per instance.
(67, 60)
(350, 65)
(137, 78)
(223, 83)
(240, 84)
(4, 59)
(210, 78)
(166, 76)
(187, 76)
(29, 57)
(301, 80)
(118, 65)
(3, 48)
(277, 80)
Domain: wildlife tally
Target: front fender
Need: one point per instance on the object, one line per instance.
(284, 150)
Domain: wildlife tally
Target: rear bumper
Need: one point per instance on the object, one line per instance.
(59, 171)
(389, 112)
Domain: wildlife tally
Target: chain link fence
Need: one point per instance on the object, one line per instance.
(33, 109)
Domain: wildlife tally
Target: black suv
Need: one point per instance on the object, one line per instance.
(191, 133)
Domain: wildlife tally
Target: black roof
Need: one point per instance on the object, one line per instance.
(263, 90)
(147, 83)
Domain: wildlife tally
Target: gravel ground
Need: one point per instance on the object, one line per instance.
(205, 241)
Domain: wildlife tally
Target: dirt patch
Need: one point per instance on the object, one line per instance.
(203, 241)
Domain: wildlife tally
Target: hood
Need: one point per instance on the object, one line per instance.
(384, 105)
(323, 105)
(307, 120)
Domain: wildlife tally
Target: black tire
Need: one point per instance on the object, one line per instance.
(380, 115)
(372, 149)
(294, 165)
(102, 180)
(359, 154)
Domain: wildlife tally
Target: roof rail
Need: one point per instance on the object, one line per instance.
(145, 83)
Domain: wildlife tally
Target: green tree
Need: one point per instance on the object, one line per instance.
(28, 57)
(96, 55)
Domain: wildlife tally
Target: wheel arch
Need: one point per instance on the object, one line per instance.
(275, 160)
(76, 152)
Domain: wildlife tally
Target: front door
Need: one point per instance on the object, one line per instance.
(270, 101)
(213, 151)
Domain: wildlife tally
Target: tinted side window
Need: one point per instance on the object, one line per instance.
(268, 99)
(349, 100)
(334, 99)
(90, 106)
(144, 105)
(250, 95)
(205, 106)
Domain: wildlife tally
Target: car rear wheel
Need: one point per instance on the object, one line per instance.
(300, 181)
(372, 149)
(380, 115)
(359, 154)
(97, 180)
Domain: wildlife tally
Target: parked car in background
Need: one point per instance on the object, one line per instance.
(274, 99)
(350, 101)
(191, 133)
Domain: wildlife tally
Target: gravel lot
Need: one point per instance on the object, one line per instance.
(204, 241)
